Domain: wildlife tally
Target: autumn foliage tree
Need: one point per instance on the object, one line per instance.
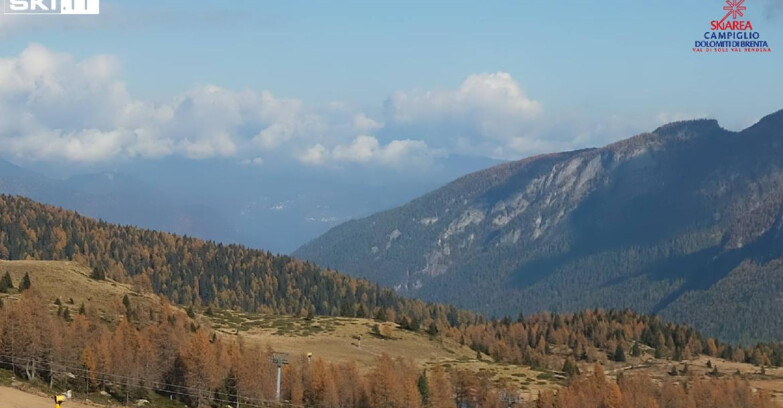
(639, 391)
(166, 351)
(199, 273)
(190, 271)
(441, 393)
(163, 355)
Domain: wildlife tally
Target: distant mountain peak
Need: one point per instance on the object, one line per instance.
(670, 221)
(694, 125)
(773, 120)
(666, 135)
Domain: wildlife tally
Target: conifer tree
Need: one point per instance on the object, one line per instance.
(619, 354)
(98, 273)
(26, 283)
(414, 324)
(6, 283)
(570, 368)
(636, 351)
(433, 329)
(424, 389)
(360, 312)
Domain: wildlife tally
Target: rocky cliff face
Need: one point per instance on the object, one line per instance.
(654, 223)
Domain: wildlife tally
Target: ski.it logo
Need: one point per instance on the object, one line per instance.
(52, 7)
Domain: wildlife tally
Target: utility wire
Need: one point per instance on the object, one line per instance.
(155, 386)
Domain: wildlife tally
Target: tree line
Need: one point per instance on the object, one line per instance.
(639, 391)
(191, 271)
(164, 352)
(598, 335)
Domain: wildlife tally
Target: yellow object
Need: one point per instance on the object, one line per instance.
(58, 400)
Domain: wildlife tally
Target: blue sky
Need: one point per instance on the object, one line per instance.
(590, 73)
(295, 116)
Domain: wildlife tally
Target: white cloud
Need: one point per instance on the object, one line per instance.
(488, 113)
(219, 144)
(481, 96)
(367, 149)
(364, 124)
(408, 152)
(362, 149)
(313, 155)
(55, 107)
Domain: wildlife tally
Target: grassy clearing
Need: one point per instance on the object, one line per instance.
(71, 283)
(339, 339)
(242, 322)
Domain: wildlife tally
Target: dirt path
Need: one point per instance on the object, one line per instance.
(14, 398)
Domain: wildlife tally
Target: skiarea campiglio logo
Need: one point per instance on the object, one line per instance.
(732, 33)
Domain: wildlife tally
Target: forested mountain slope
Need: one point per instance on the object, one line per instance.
(684, 221)
(191, 271)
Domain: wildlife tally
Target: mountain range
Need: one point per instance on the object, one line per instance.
(223, 200)
(685, 221)
(115, 197)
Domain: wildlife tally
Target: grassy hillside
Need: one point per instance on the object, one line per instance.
(346, 340)
(331, 338)
(190, 271)
(335, 339)
(71, 283)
